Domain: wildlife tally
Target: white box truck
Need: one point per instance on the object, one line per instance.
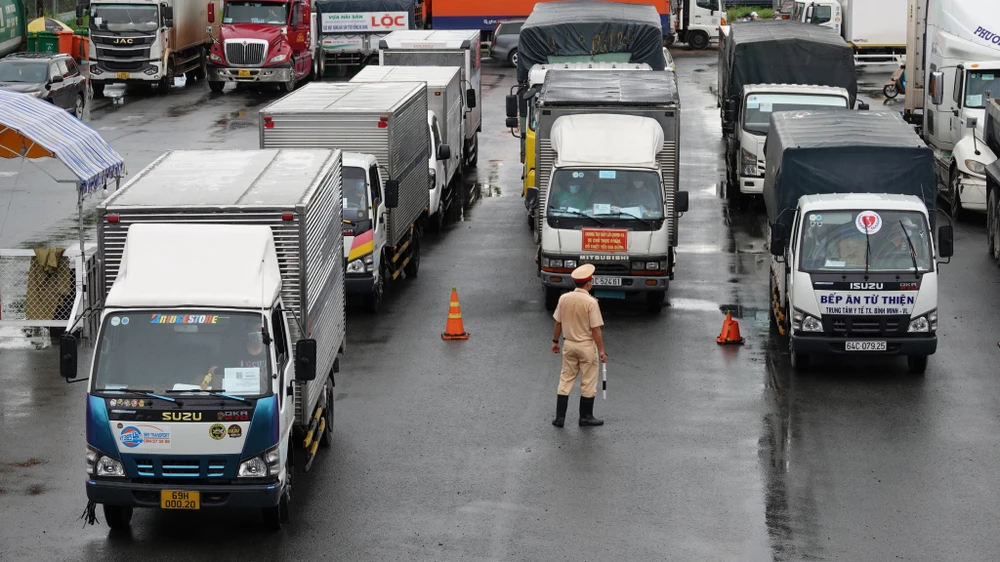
(850, 206)
(222, 325)
(386, 199)
(875, 28)
(459, 48)
(445, 125)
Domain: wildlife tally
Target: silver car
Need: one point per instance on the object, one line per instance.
(504, 45)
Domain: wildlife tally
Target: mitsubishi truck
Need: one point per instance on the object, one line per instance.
(850, 209)
(746, 131)
(952, 63)
(445, 126)
(526, 131)
(351, 29)
(273, 42)
(387, 198)
(991, 130)
(610, 199)
(146, 41)
(221, 330)
(445, 48)
(876, 29)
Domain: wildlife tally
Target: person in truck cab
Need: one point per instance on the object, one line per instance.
(247, 353)
(893, 252)
(576, 196)
(639, 195)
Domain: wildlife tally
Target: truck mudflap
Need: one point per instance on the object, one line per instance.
(820, 344)
(362, 284)
(250, 75)
(130, 494)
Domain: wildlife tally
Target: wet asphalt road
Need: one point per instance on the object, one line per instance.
(444, 450)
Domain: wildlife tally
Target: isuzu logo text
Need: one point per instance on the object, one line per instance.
(867, 286)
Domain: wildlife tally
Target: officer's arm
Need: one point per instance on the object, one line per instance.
(598, 339)
(557, 332)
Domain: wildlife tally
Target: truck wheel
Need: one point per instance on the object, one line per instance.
(697, 40)
(118, 517)
(98, 88)
(552, 295)
(772, 323)
(163, 86)
(287, 87)
(436, 222)
(654, 301)
(993, 226)
(216, 87)
(957, 213)
(800, 361)
(326, 439)
(274, 517)
(413, 266)
(374, 300)
(916, 364)
(201, 71)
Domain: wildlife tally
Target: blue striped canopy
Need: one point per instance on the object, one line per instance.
(32, 128)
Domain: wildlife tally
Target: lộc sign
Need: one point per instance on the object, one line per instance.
(365, 22)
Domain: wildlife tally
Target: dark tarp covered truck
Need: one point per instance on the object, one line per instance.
(820, 152)
(991, 134)
(350, 30)
(590, 31)
(779, 52)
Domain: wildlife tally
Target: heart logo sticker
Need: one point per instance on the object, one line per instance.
(868, 222)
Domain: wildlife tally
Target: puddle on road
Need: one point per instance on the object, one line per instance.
(12, 337)
(241, 119)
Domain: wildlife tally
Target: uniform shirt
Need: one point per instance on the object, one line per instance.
(579, 313)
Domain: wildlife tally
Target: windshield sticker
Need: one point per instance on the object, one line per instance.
(988, 77)
(602, 208)
(868, 222)
(242, 380)
(835, 263)
(217, 431)
(871, 303)
(974, 100)
(235, 431)
(115, 321)
(227, 20)
(124, 320)
(184, 319)
(181, 386)
(98, 21)
(635, 211)
(607, 174)
(767, 107)
(144, 436)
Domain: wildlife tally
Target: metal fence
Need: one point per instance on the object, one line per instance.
(48, 288)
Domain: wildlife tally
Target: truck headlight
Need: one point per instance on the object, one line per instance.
(806, 323)
(356, 266)
(975, 166)
(277, 58)
(215, 58)
(108, 467)
(749, 163)
(548, 262)
(653, 265)
(261, 466)
(569, 264)
(924, 324)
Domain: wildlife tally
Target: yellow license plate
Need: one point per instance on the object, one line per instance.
(122, 75)
(244, 73)
(180, 499)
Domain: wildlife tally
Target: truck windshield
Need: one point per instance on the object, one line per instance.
(425, 58)
(124, 17)
(13, 70)
(821, 14)
(625, 194)
(163, 351)
(835, 241)
(265, 13)
(978, 83)
(355, 194)
(759, 107)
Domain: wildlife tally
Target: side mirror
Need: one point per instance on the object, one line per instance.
(730, 112)
(681, 201)
(972, 122)
(946, 241)
(809, 14)
(57, 79)
(777, 240)
(168, 15)
(470, 98)
(937, 87)
(305, 360)
(67, 356)
(511, 105)
(511, 122)
(444, 152)
(79, 11)
(211, 12)
(392, 194)
(862, 106)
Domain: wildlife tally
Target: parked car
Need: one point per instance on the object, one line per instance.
(52, 77)
(504, 45)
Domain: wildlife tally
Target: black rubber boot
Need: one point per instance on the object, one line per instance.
(587, 413)
(562, 402)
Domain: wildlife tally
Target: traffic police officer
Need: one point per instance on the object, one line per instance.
(578, 319)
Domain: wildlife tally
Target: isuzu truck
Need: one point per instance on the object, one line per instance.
(850, 208)
(221, 330)
(387, 198)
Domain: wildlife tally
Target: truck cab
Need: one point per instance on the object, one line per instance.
(699, 21)
(365, 233)
(826, 13)
(607, 204)
(745, 157)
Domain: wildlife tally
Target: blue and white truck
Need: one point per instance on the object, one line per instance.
(221, 330)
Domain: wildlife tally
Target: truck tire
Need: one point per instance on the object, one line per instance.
(326, 438)
(216, 86)
(993, 224)
(697, 40)
(552, 295)
(98, 88)
(319, 66)
(413, 266)
(957, 213)
(118, 517)
(916, 364)
(288, 87)
(800, 361)
(654, 301)
(163, 86)
(201, 72)
(275, 517)
(374, 301)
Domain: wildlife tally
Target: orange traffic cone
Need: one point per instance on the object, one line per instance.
(730, 332)
(454, 329)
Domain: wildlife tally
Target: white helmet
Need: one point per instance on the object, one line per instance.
(753, 15)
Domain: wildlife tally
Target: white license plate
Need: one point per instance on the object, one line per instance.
(865, 346)
(607, 281)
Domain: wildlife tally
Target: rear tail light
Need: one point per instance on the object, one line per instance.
(383, 122)
(268, 123)
(113, 218)
(287, 216)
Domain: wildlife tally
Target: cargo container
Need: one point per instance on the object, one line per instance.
(13, 24)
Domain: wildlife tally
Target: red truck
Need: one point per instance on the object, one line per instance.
(274, 41)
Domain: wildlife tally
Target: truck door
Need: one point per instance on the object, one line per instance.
(299, 36)
(283, 366)
(378, 213)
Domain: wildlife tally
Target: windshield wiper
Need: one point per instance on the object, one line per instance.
(579, 214)
(913, 251)
(640, 219)
(211, 392)
(868, 251)
(143, 392)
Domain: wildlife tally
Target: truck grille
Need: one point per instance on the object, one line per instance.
(865, 326)
(141, 53)
(611, 268)
(246, 52)
(180, 467)
(122, 66)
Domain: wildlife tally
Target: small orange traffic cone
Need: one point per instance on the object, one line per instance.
(730, 332)
(454, 329)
